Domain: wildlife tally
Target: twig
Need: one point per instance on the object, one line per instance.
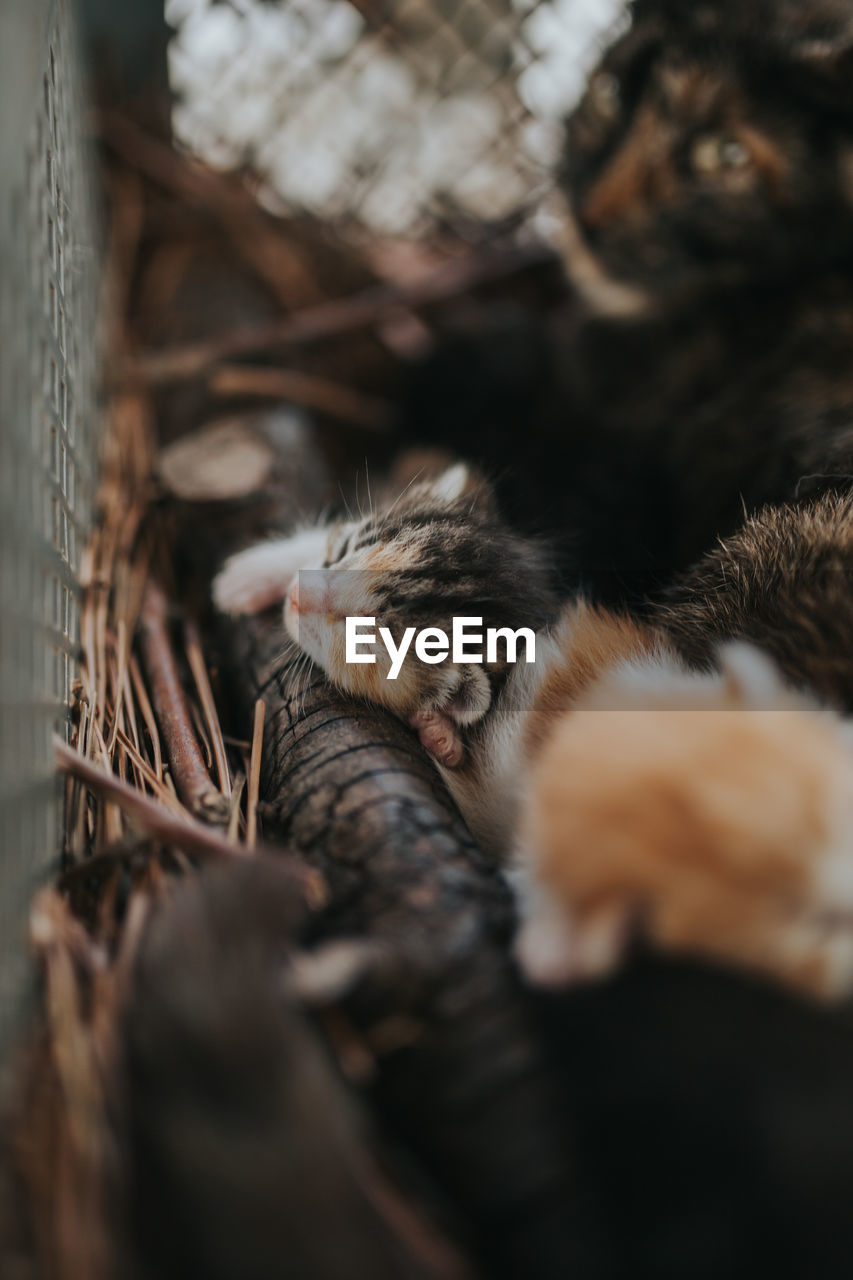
(198, 667)
(185, 832)
(149, 815)
(118, 687)
(253, 233)
(236, 796)
(307, 390)
(147, 715)
(160, 790)
(334, 318)
(190, 774)
(255, 775)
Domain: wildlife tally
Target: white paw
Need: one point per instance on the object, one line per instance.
(544, 947)
(250, 581)
(259, 577)
(555, 948)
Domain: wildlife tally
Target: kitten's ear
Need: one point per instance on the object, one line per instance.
(470, 694)
(752, 679)
(461, 485)
(819, 42)
(829, 76)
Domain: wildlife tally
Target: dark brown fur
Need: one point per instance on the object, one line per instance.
(784, 581)
(710, 166)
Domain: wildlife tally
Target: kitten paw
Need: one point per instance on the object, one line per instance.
(437, 735)
(544, 947)
(250, 582)
(554, 949)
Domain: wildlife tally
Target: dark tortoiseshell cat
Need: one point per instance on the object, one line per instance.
(709, 169)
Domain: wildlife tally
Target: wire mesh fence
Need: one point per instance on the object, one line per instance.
(391, 114)
(391, 118)
(47, 436)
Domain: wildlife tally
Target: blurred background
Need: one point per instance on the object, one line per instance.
(382, 137)
(388, 114)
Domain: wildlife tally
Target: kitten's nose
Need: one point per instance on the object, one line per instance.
(309, 592)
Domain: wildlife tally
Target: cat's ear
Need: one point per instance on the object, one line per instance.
(752, 679)
(828, 74)
(818, 40)
(461, 485)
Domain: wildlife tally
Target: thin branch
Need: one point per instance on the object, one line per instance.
(189, 771)
(148, 815)
(332, 319)
(236, 796)
(307, 390)
(255, 775)
(198, 667)
(147, 715)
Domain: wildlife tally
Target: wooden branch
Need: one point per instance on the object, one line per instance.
(185, 833)
(198, 666)
(469, 1092)
(355, 408)
(192, 780)
(331, 319)
(254, 234)
(150, 816)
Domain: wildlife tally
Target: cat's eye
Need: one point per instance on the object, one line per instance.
(716, 152)
(336, 550)
(604, 96)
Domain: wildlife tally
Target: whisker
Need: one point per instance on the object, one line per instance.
(344, 499)
(370, 506)
(404, 491)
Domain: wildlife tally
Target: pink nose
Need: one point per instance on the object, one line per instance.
(310, 592)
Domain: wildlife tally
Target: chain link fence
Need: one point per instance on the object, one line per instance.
(392, 115)
(47, 437)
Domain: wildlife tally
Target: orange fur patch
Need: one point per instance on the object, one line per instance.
(641, 167)
(590, 640)
(704, 827)
(769, 161)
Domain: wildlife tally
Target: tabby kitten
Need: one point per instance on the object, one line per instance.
(439, 550)
(628, 806)
(784, 581)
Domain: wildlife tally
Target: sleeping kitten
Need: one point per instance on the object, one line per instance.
(710, 812)
(709, 172)
(440, 550)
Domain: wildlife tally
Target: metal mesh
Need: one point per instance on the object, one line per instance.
(47, 438)
(393, 114)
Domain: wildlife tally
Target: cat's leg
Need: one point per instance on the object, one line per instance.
(439, 737)
(258, 577)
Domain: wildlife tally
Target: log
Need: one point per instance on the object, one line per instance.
(469, 1090)
(440, 1026)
